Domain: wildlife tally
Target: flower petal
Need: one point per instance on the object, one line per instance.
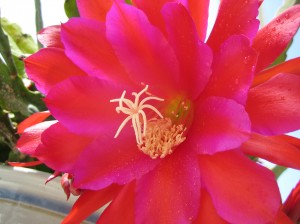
(50, 36)
(32, 120)
(44, 68)
(292, 204)
(207, 211)
(291, 66)
(233, 68)
(171, 192)
(115, 161)
(234, 18)
(90, 49)
(235, 182)
(121, 208)
(31, 137)
(153, 11)
(94, 9)
(142, 49)
(273, 38)
(220, 124)
(90, 201)
(194, 57)
(274, 106)
(60, 148)
(199, 12)
(82, 104)
(276, 149)
(282, 218)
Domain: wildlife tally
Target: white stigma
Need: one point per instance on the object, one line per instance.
(135, 112)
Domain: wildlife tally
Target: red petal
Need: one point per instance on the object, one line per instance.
(171, 192)
(31, 137)
(60, 148)
(94, 9)
(292, 204)
(32, 120)
(220, 124)
(233, 68)
(142, 49)
(153, 11)
(121, 208)
(116, 161)
(90, 49)
(273, 38)
(90, 201)
(241, 190)
(194, 57)
(282, 218)
(82, 104)
(234, 18)
(274, 106)
(207, 211)
(291, 66)
(25, 164)
(50, 66)
(274, 149)
(50, 36)
(199, 12)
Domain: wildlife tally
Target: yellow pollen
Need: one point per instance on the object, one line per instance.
(162, 137)
(135, 111)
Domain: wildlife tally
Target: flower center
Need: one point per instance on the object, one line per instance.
(158, 136)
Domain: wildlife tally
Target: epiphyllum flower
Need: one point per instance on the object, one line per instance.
(156, 121)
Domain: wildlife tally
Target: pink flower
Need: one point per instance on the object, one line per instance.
(153, 119)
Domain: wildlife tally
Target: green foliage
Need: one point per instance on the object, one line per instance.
(287, 4)
(16, 101)
(71, 9)
(278, 170)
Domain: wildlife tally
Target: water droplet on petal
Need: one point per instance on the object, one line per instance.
(287, 15)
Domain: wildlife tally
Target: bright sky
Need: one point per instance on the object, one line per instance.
(22, 12)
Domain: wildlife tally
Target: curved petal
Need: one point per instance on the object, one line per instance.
(121, 208)
(274, 106)
(114, 160)
(291, 66)
(234, 18)
(207, 211)
(152, 9)
(94, 9)
(276, 149)
(199, 12)
(32, 120)
(194, 57)
(282, 218)
(90, 49)
(171, 192)
(292, 204)
(45, 68)
(31, 138)
(82, 104)
(232, 70)
(50, 36)
(142, 49)
(234, 182)
(273, 38)
(220, 124)
(90, 201)
(60, 149)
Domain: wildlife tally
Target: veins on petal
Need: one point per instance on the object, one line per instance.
(135, 112)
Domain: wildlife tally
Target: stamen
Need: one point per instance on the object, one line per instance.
(134, 110)
(162, 137)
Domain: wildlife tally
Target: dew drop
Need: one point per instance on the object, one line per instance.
(287, 16)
